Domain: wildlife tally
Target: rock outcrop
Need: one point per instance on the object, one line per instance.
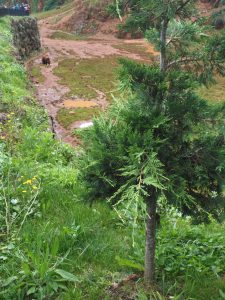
(87, 17)
(26, 36)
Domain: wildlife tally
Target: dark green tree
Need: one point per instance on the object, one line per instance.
(164, 140)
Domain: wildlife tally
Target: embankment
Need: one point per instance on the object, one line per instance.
(26, 37)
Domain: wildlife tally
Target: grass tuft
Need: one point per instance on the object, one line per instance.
(35, 72)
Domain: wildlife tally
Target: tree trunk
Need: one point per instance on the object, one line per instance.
(149, 274)
(41, 5)
(163, 45)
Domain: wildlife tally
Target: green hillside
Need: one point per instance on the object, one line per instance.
(73, 219)
(46, 230)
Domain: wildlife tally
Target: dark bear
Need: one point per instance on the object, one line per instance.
(46, 60)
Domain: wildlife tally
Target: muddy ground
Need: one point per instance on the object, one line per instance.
(53, 95)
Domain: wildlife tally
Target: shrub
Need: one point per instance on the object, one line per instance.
(112, 9)
(218, 20)
(50, 4)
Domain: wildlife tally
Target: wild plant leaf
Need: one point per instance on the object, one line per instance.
(62, 287)
(153, 182)
(55, 247)
(8, 281)
(222, 294)
(54, 285)
(26, 268)
(66, 275)
(31, 290)
(129, 263)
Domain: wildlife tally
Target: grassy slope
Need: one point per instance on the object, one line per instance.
(60, 224)
(32, 162)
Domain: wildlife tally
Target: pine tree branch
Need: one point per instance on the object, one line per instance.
(182, 60)
(183, 5)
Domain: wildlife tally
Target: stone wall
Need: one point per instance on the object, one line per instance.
(26, 36)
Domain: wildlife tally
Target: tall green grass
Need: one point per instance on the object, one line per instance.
(52, 244)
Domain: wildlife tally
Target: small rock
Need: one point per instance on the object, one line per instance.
(3, 118)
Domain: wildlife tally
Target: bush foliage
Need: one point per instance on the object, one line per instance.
(163, 119)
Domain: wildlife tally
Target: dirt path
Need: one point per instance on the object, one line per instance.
(51, 93)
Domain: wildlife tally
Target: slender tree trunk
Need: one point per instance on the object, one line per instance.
(149, 274)
(163, 45)
(41, 4)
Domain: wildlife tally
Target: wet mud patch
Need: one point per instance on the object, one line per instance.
(80, 125)
(79, 103)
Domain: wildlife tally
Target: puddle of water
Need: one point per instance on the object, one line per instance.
(85, 125)
(79, 103)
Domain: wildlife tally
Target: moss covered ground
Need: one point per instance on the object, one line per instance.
(83, 76)
(66, 116)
